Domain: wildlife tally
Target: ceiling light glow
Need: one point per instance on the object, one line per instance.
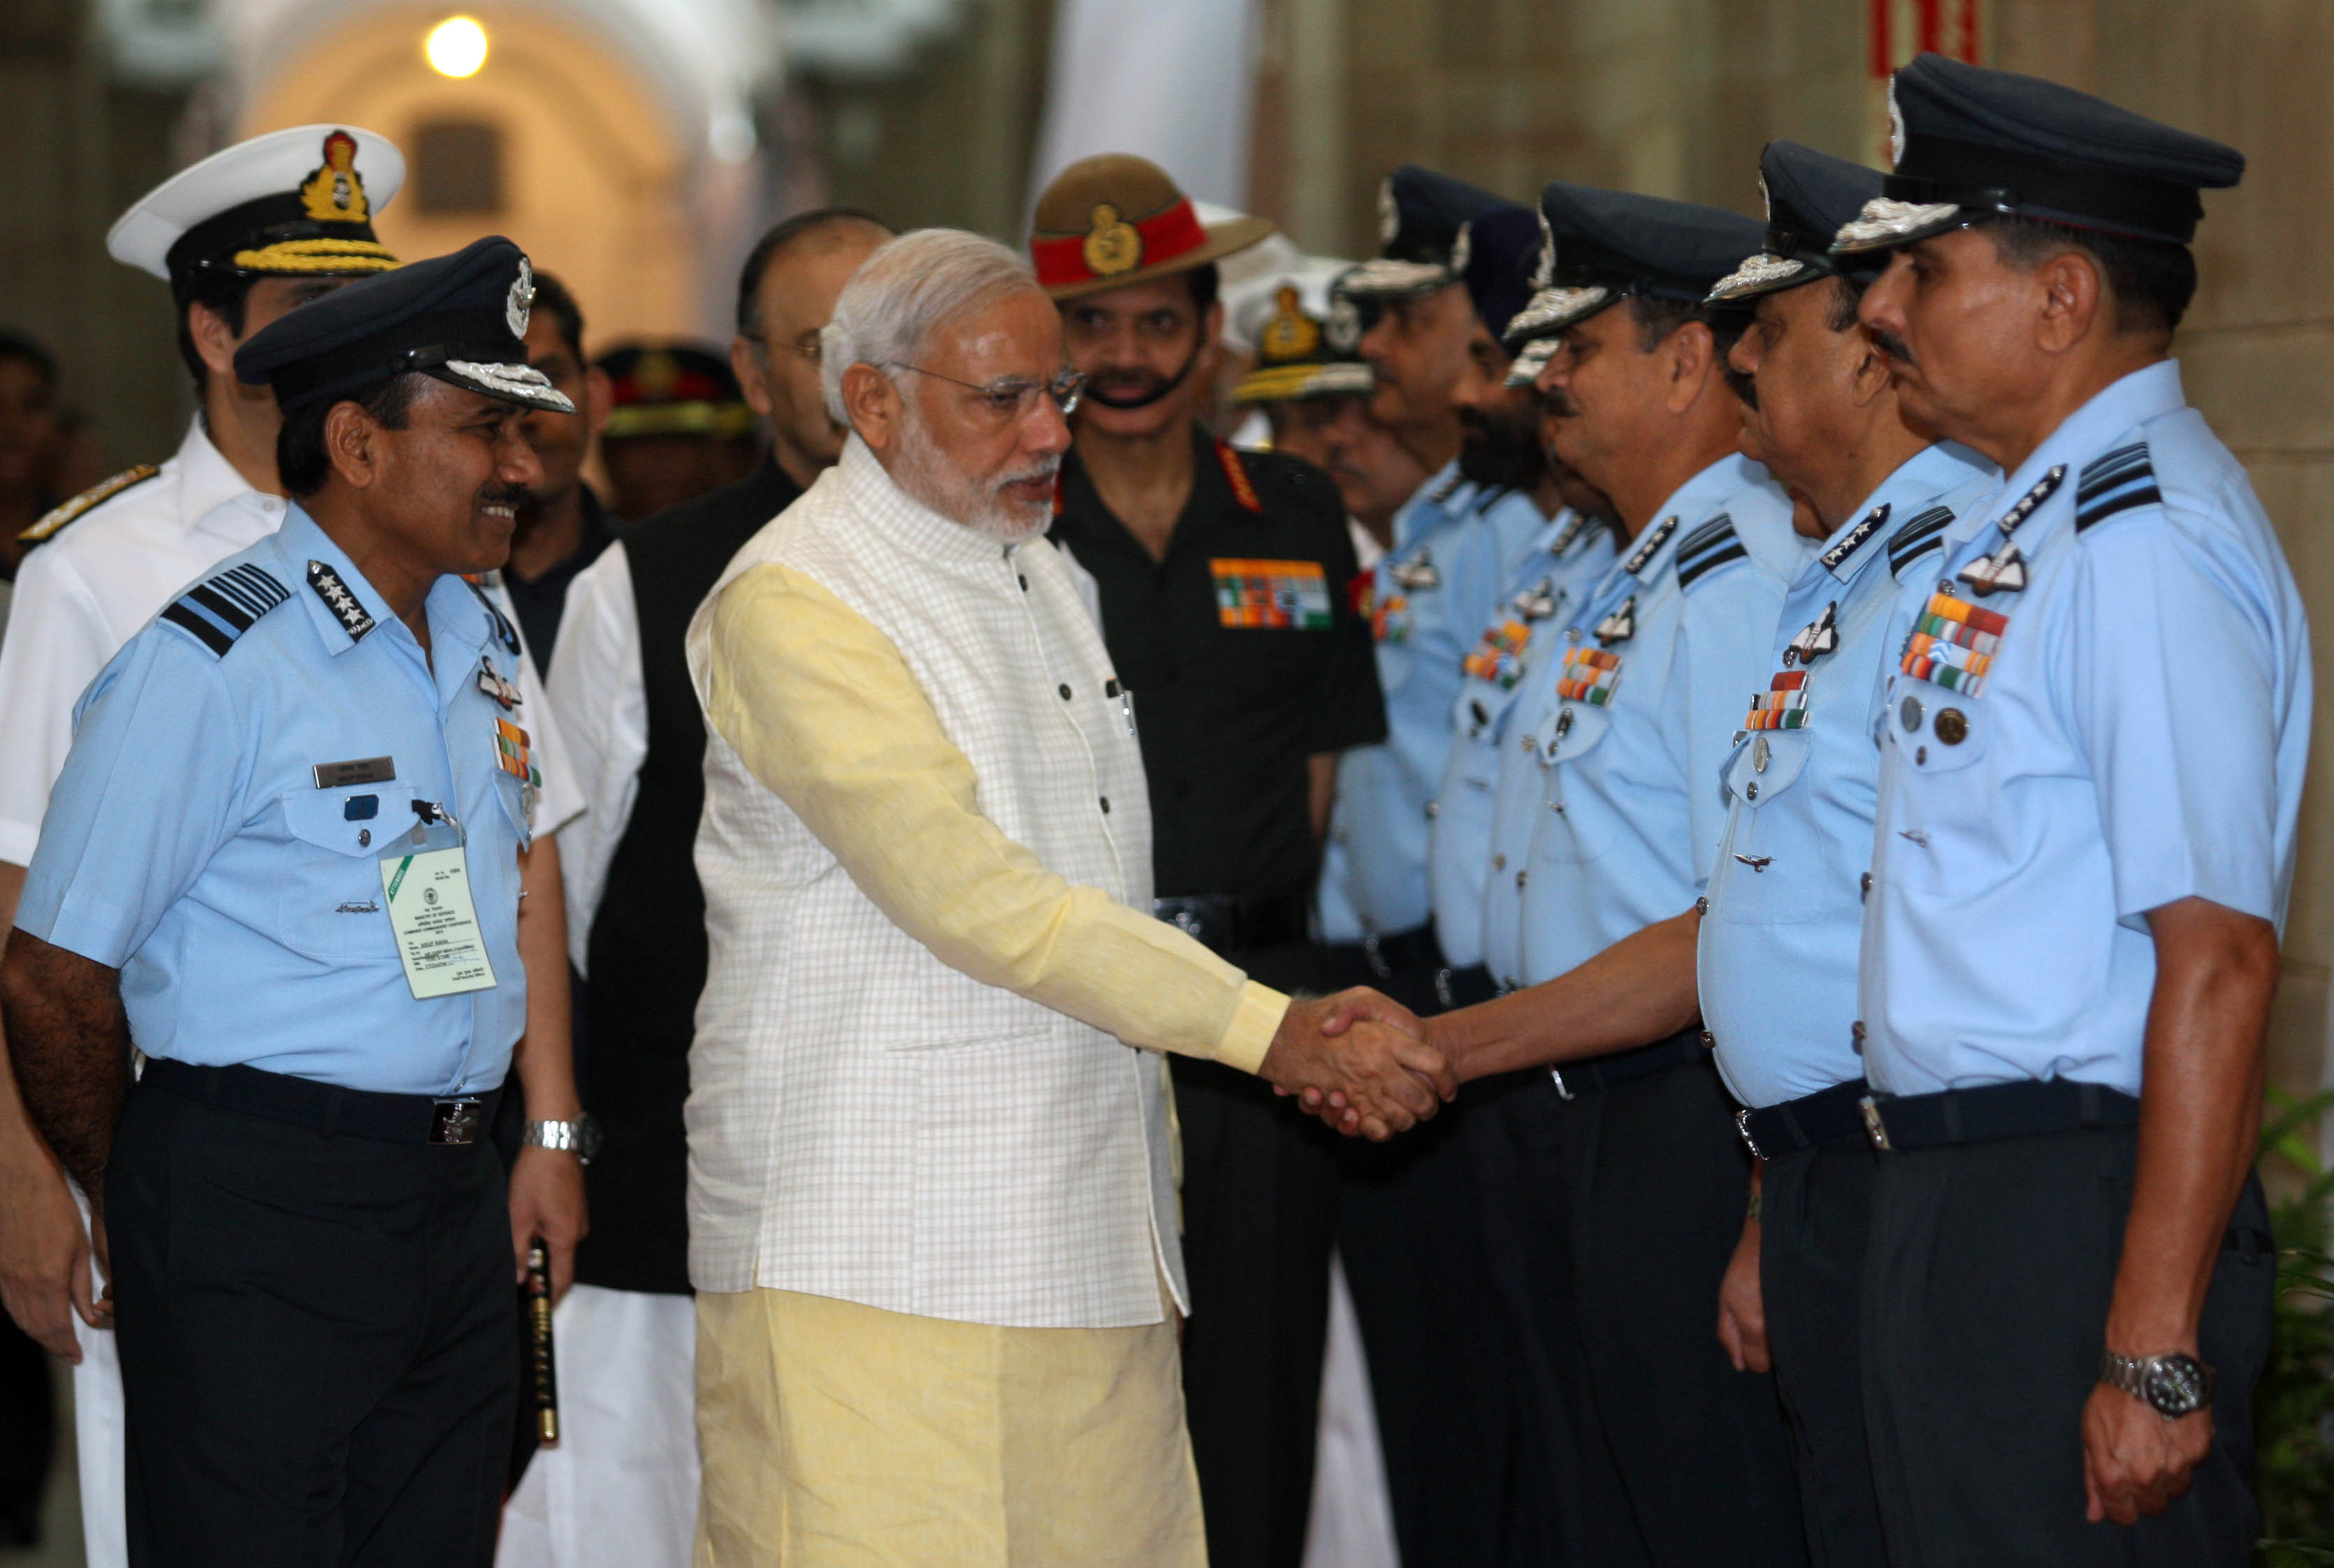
(456, 47)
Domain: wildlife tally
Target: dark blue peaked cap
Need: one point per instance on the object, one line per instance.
(1608, 243)
(1419, 215)
(461, 318)
(1502, 246)
(1971, 143)
(1810, 195)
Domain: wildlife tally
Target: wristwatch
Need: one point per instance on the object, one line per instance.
(2173, 1386)
(580, 1137)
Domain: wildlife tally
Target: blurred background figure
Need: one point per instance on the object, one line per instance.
(33, 445)
(564, 529)
(1311, 391)
(677, 426)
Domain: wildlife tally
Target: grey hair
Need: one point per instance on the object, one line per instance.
(906, 289)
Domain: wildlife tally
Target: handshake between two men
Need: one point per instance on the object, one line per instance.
(1360, 1062)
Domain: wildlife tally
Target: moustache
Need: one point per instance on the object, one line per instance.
(1890, 344)
(1745, 387)
(505, 495)
(1126, 389)
(1046, 471)
(1557, 404)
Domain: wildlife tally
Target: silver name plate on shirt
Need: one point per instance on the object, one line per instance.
(332, 775)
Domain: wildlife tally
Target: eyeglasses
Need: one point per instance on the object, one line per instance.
(1014, 398)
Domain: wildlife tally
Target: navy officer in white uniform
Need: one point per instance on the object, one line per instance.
(284, 861)
(2091, 764)
(1778, 937)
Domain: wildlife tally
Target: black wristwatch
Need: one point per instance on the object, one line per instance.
(2173, 1386)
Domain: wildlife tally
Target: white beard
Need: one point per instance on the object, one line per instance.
(926, 474)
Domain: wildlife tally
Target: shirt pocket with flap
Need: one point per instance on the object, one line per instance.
(329, 901)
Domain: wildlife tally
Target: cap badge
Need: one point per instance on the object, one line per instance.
(1544, 270)
(520, 302)
(657, 374)
(1113, 245)
(1345, 329)
(1389, 214)
(1895, 126)
(1463, 246)
(1291, 334)
(335, 192)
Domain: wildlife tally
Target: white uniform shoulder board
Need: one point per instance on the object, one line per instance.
(106, 491)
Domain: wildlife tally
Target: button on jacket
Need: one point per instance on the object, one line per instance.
(187, 841)
(2126, 729)
(1243, 655)
(1567, 558)
(1779, 942)
(1661, 658)
(1428, 597)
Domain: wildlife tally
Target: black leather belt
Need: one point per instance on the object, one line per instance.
(325, 1107)
(1819, 1118)
(1578, 1078)
(1997, 1111)
(1464, 987)
(1235, 922)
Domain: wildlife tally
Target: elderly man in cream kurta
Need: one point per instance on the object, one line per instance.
(931, 1202)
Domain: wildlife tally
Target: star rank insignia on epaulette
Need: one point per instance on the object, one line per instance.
(106, 490)
(1620, 626)
(1417, 574)
(1567, 534)
(1448, 488)
(2004, 571)
(219, 610)
(1853, 539)
(1650, 545)
(354, 618)
(1816, 639)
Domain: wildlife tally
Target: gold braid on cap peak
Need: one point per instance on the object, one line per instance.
(318, 256)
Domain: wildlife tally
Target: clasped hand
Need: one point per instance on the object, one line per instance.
(1360, 1062)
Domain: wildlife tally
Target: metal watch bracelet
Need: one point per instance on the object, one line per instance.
(580, 1137)
(2172, 1385)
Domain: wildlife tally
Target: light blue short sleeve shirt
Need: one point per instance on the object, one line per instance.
(2123, 722)
(1568, 556)
(1658, 666)
(1778, 955)
(1429, 596)
(191, 842)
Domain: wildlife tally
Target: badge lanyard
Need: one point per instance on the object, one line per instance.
(425, 879)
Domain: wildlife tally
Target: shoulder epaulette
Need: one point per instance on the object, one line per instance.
(505, 633)
(1236, 475)
(1922, 533)
(218, 610)
(1649, 544)
(1707, 548)
(2121, 480)
(52, 521)
(346, 608)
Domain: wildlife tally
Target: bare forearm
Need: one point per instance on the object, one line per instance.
(1638, 990)
(22, 1150)
(544, 1061)
(69, 1040)
(2199, 1116)
(1320, 791)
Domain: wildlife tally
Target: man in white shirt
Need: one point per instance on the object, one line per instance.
(243, 237)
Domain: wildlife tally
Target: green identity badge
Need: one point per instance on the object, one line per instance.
(425, 878)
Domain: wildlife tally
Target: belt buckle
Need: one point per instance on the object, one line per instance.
(455, 1121)
(1742, 1128)
(1555, 1076)
(1874, 1127)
